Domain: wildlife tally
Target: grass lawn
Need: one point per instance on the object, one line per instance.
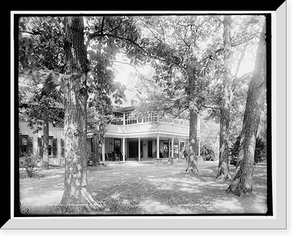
(139, 188)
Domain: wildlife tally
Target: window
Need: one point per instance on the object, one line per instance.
(117, 118)
(40, 147)
(117, 143)
(127, 118)
(26, 144)
(130, 118)
(52, 146)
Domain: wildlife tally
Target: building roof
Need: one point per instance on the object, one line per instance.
(129, 102)
(123, 109)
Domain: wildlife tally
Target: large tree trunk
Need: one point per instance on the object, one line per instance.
(96, 149)
(45, 159)
(223, 169)
(192, 156)
(75, 194)
(243, 181)
(192, 152)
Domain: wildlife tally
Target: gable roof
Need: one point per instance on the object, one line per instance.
(130, 94)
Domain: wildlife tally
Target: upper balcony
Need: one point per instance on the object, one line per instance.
(148, 126)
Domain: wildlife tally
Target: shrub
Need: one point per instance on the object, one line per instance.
(234, 151)
(30, 162)
(260, 151)
(207, 153)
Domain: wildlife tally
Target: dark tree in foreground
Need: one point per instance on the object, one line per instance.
(75, 124)
(76, 84)
(243, 180)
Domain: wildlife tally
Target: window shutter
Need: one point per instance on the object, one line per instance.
(40, 147)
(54, 145)
(62, 148)
(30, 145)
(40, 142)
(50, 150)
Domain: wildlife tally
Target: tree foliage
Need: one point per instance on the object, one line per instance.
(175, 43)
(41, 43)
(45, 108)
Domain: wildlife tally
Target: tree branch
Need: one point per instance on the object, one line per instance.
(180, 112)
(236, 80)
(212, 54)
(242, 41)
(240, 60)
(102, 24)
(31, 32)
(214, 108)
(149, 55)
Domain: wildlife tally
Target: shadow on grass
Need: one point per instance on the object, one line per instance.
(166, 189)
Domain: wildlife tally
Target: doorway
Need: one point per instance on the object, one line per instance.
(132, 149)
(150, 148)
(117, 146)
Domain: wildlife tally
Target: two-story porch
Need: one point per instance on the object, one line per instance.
(137, 138)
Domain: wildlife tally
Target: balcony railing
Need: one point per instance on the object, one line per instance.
(129, 120)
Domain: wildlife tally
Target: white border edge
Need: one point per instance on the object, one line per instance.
(194, 223)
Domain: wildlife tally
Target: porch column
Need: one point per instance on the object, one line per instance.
(157, 146)
(124, 118)
(179, 150)
(199, 146)
(139, 149)
(123, 148)
(172, 154)
(103, 151)
(169, 147)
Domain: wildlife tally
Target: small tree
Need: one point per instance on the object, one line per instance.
(234, 151)
(43, 109)
(40, 46)
(181, 59)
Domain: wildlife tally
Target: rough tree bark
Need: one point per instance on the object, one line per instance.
(192, 155)
(76, 196)
(243, 180)
(45, 159)
(223, 168)
(96, 150)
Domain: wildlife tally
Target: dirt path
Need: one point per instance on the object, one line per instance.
(143, 188)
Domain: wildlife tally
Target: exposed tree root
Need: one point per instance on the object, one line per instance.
(90, 200)
(84, 204)
(223, 174)
(236, 187)
(224, 177)
(192, 167)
